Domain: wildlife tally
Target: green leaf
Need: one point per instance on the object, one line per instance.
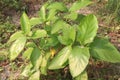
(58, 25)
(71, 16)
(35, 76)
(79, 4)
(39, 34)
(79, 18)
(25, 23)
(17, 47)
(15, 36)
(43, 67)
(52, 41)
(57, 6)
(3, 54)
(68, 36)
(78, 60)
(82, 76)
(44, 64)
(51, 14)
(102, 49)
(60, 59)
(42, 13)
(31, 44)
(27, 53)
(27, 70)
(36, 57)
(42, 43)
(35, 21)
(87, 29)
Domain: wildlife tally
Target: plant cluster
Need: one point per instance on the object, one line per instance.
(113, 7)
(65, 38)
(6, 28)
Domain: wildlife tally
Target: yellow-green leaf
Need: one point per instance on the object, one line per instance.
(58, 25)
(31, 44)
(35, 21)
(27, 53)
(51, 14)
(15, 36)
(57, 6)
(27, 70)
(39, 34)
(82, 76)
(71, 16)
(25, 23)
(42, 13)
(60, 59)
(17, 47)
(35, 76)
(78, 60)
(44, 64)
(79, 4)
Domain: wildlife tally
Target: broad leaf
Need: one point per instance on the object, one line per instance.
(102, 49)
(15, 36)
(36, 57)
(82, 76)
(79, 18)
(48, 28)
(71, 16)
(44, 64)
(43, 67)
(52, 41)
(42, 12)
(87, 29)
(27, 70)
(58, 25)
(17, 47)
(35, 76)
(25, 23)
(68, 36)
(78, 60)
(51, 14)
(60, 59)
(27, 53)
(57, 6)
(35, 21)
(39, 34)
(42, 43)
(79, 4)
(31, 44)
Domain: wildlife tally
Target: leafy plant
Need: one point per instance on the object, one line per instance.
(112, 9)
(64, 38)
(6, 28)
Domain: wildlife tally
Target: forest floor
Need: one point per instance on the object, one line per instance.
(97, 71)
